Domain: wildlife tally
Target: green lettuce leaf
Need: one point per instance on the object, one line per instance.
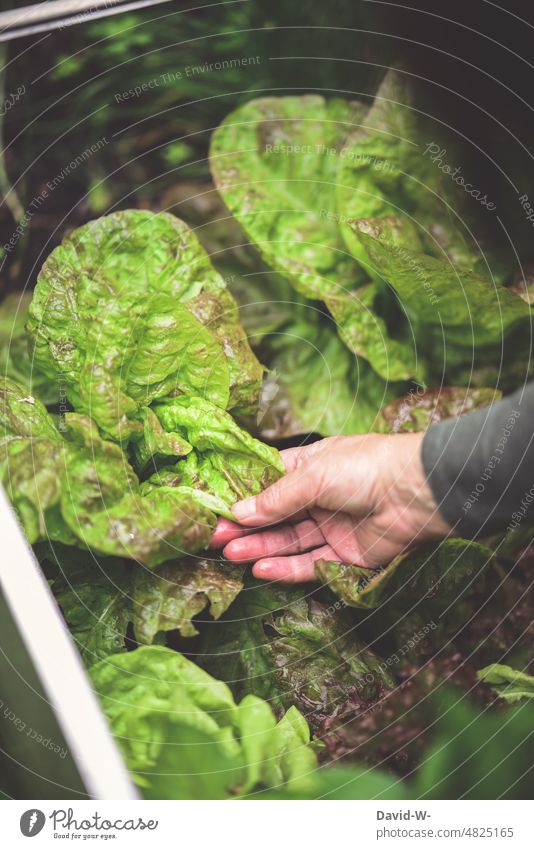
(147, 278)
(347, 394)
(296, 758)
(159, 704)
(365, 333)
(15, 359)
(216, 308)
(183, 736)
(208, 429)
(170, 598)
(228, 464)
(441, 299)
(156, 445)
(293, 147)
(31, 471)
(81, 490)
(299, 343)
(103, 506)
(22, 415)
(512, 685)
(141, 348)
(274, 161)
(384, 170)
(174, 263)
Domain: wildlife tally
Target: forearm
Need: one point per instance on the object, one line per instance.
(481, 467)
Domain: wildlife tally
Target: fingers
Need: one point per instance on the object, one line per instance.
(289, 539)
(291, 456)
(295, 569)
(287, 498)
(224, 532)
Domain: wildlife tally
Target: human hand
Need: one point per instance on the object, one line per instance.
(355, 499)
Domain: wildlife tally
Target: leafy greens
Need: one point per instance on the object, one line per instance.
(131, 406)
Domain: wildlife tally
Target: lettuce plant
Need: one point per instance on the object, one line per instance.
(163, 316)
(133, 408)
(184, 736)
(343, 201)
(114, 319)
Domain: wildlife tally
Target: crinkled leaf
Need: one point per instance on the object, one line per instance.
(174, 353)
(196, 494)
(209, 428)
(157, 444)
(217, 310)
(32, 473)
(274, 161)
(33, 458)
(512, 685)
(297, 760)
(178, 591)
(439, 297)
(143, 346)
(380, 161)
(103, 506)
(293, 147)
(386, 169)
(15, 359)
(156, 701)
(225, 477)
(276, 754)
(152, 673)
(346, 395)
(421, 408)
(96, 604)
(82, 490)
(228, 463)
(291, 649)
(166, 322)
(23, 415)
(183, 270)
(365, 333)
(435, 574)
(151, 529)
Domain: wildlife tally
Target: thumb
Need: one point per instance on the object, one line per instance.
(293, 494)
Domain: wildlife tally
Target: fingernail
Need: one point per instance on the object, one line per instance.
(261, 567)
(244, 509)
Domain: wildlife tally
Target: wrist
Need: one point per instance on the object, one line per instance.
(411, 491)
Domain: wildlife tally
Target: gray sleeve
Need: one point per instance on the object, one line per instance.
(481, 466)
